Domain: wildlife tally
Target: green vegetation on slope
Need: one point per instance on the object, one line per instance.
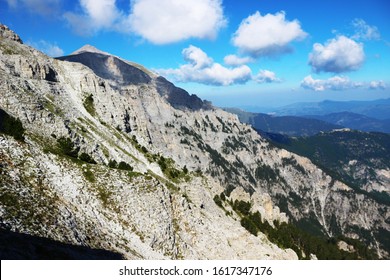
(287, 235)
(335, 151)
(89, 105)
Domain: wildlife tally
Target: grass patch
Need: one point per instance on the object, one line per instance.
(104, 195)
(89, 176)
(89, 105)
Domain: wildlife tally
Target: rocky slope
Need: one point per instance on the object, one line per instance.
(118, 158)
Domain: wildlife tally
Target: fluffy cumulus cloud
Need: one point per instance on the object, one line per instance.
(42, 7)
(96, 15)
(234, 60)
(338, 83)
(363, 31)
(337, 55)
(377, 85)
(157, 21)
(266, 76)
(334, 83)
(51, 49)
(167, 21)
(267, 35)
(197, 58)
(201, 68)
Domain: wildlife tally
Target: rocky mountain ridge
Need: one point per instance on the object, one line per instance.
(116, 158)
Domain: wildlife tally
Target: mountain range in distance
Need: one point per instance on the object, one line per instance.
(304, 119)
(378, 109)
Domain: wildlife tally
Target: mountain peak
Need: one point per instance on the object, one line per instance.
(90, 49)
(123, 72)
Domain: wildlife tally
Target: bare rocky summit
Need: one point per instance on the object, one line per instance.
(117, 158)
(8, 34)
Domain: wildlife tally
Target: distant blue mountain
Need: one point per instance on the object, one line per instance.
(378, 109)
(286, 125)
(355, 121)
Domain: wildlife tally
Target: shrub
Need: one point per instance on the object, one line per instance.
(173, 173)
(67, 147)
(162, 163)
(125, 166)
(249, 225)
(242, 206)
(218, 201)
(87, 158)
(112, 164)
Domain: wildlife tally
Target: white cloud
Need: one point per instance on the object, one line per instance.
(42, 7)
(266, 76)
(168, 21)
(363, 31)
(102, 12)
(336, 83)
(337, 55)
(267, 35)
(197, 58)
(158, 21)
(201, 69)
(51, 49)
(234, 60)
(96, 15)
(377, 85)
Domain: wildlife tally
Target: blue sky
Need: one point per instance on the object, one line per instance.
(235, 53)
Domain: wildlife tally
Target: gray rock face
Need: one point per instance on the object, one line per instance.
(182, 153)
(110, 68)
(7, 33)
(122, 73)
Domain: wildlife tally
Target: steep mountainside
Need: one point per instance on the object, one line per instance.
(359, 158)
(287, 125)
(99, 152)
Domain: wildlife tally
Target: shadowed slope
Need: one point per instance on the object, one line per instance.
(19, 246)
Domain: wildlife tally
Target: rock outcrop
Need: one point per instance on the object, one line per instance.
(8, 34)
